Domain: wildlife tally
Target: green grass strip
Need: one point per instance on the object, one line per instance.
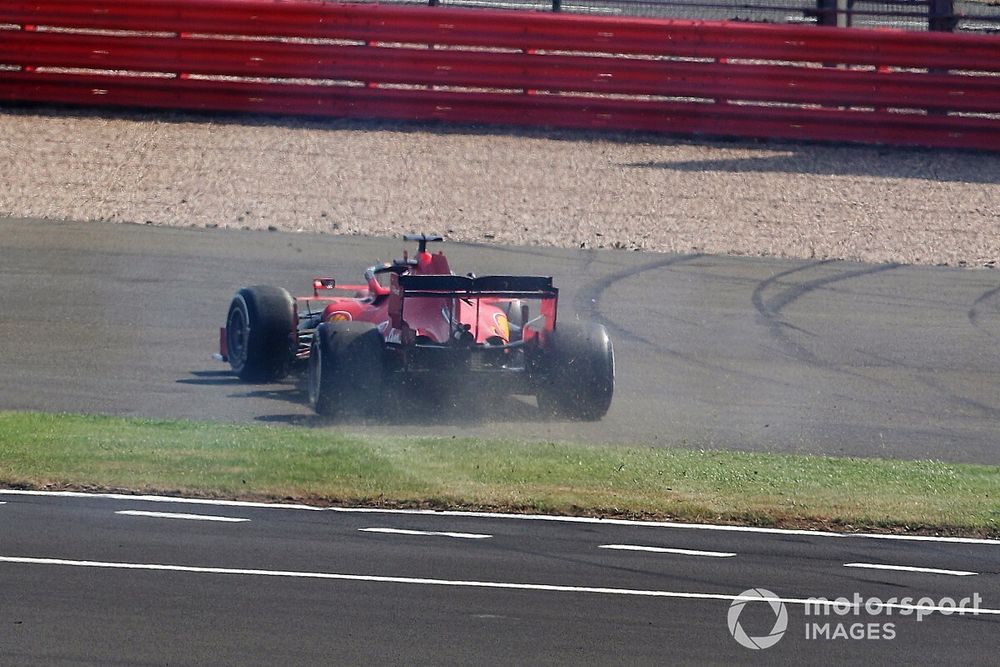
(328, 467)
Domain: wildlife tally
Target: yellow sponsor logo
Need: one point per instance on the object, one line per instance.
(503, 327)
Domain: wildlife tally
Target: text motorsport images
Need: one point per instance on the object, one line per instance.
(842, 618)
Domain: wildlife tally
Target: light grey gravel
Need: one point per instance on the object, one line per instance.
(512, 187)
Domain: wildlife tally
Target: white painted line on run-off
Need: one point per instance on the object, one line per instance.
(667, 550)
(908, 568)
(435, 533)
(502, 585)
(189, 517)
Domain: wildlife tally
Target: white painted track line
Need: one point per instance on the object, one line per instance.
(666, 550)
(907, 568)
(189, 517)
(498, 515)
(165, 499)
(434, 533)
(929, 538)
(813, 602)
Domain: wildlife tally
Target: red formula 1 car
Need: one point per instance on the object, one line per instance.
(415, 324)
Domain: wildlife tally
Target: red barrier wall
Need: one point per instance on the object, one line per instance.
(524, 68)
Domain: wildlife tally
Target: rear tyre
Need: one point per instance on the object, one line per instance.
(578, 379)
(346, 368)
(260, 333)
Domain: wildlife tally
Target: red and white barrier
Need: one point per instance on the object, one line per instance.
(522, 68)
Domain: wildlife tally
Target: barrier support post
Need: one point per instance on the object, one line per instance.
(28, 28)
(941, 16)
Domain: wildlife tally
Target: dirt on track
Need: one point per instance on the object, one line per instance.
(635, 192)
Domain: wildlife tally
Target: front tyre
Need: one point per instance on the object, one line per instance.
(578, 378)
(260, 333)
(346, 368)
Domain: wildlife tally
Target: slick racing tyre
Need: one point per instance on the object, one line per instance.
(260, 333)
(346, 367)
(579, 372)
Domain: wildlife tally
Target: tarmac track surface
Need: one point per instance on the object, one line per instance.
(716, 352)
(145, 581)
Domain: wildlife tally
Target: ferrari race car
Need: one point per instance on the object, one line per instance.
(415, 324)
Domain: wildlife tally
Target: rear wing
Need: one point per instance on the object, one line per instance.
(446, 286)
(467, 287)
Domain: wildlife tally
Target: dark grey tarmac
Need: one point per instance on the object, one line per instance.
(80, 611)
(760, 354)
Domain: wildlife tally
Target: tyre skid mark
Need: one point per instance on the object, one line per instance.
(588, 300)
(950, 395)
(770, 310)
(588, 303)
(974, 313)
